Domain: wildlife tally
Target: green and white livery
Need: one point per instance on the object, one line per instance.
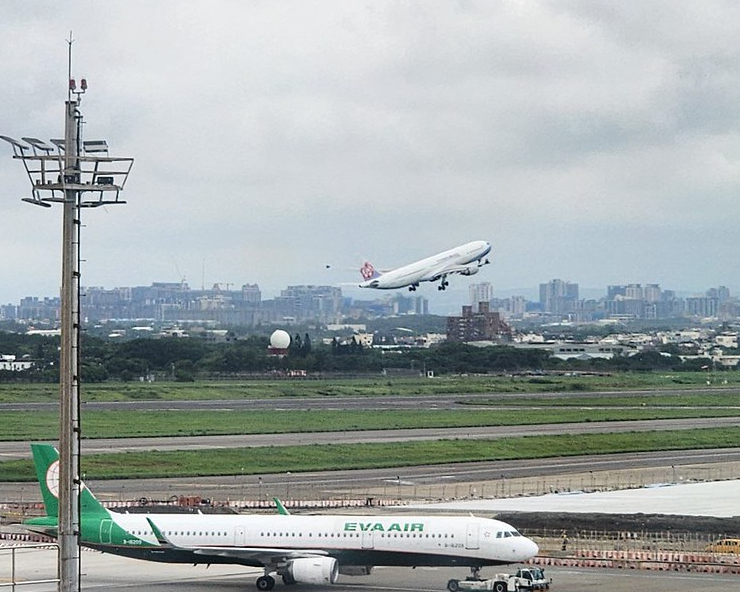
(308, 549)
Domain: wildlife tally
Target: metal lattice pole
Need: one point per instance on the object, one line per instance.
(76, 174)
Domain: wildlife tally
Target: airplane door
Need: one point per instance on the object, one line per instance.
(240, 536)
(106, 526)
(368, 540)
(471, 538)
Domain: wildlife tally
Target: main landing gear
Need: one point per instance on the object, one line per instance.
(474, 582)
(412, 287)
(265, 583)
(443, 284)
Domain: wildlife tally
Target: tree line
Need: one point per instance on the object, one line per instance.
(187, 359)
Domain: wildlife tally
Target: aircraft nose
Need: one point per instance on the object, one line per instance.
(529, 548)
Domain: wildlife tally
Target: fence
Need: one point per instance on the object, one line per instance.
(22, 562)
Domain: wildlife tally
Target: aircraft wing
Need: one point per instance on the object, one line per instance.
(261, 555)
(255, 555)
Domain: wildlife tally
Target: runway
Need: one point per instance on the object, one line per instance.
(17, 450)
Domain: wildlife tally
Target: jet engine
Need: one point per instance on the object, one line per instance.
(472, 270)
(314, 570)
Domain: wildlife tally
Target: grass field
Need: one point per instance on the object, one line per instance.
(580, 405)
(353, 456)
(172, 391)
(44, 425)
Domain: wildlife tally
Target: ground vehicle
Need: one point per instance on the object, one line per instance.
(725, 546)
(532, 578)
(526, 578)
(500, 583)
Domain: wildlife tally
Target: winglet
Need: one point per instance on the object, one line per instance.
(280, 507)
(161, 539)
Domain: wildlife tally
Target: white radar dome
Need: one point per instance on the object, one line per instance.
(280, 339)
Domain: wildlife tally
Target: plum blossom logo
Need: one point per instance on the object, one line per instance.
(367, 270)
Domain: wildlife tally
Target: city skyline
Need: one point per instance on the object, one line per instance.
(247, 305)
(598, 142)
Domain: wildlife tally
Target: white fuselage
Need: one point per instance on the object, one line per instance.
(353, 540)
(431, 268)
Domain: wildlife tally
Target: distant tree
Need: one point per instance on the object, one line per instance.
(184, 371)
(93, 372)
(296, 346)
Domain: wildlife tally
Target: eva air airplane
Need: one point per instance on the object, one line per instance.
(308, 549)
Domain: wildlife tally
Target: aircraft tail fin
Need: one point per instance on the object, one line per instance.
(280, 507)
(368, 271)
(46, 459)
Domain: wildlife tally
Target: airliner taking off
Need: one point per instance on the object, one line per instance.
(307, 549)
(466, 259)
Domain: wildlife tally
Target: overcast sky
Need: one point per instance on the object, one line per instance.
(593, 141)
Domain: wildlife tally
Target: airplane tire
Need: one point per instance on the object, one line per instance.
(453, 585)
(265, 583)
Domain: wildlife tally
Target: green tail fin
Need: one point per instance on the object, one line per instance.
(46, 459)
(280, 507)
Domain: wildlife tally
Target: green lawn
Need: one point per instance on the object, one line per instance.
(357, 456)
(44, 425)
(377, 386)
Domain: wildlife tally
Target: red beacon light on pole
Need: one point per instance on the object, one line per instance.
(72, 84)
(83, 84)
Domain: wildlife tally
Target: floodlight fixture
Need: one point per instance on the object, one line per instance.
(38, 146)
(95, 176)
(18, 147)
(95, 146)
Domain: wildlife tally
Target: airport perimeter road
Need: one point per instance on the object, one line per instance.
(441, 401)
(106, 572)
(16, 450)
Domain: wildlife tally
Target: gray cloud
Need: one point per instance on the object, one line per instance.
(596, 141)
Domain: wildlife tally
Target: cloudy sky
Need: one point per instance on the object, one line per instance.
(593, 141)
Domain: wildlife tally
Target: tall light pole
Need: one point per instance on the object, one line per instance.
(77, 174)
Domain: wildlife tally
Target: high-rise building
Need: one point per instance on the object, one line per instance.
(558, 297)
(481, 292)
(251, 293)
(634, 292)
(702, 306)
(722, 294)
(483, 325)
(652, 293)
